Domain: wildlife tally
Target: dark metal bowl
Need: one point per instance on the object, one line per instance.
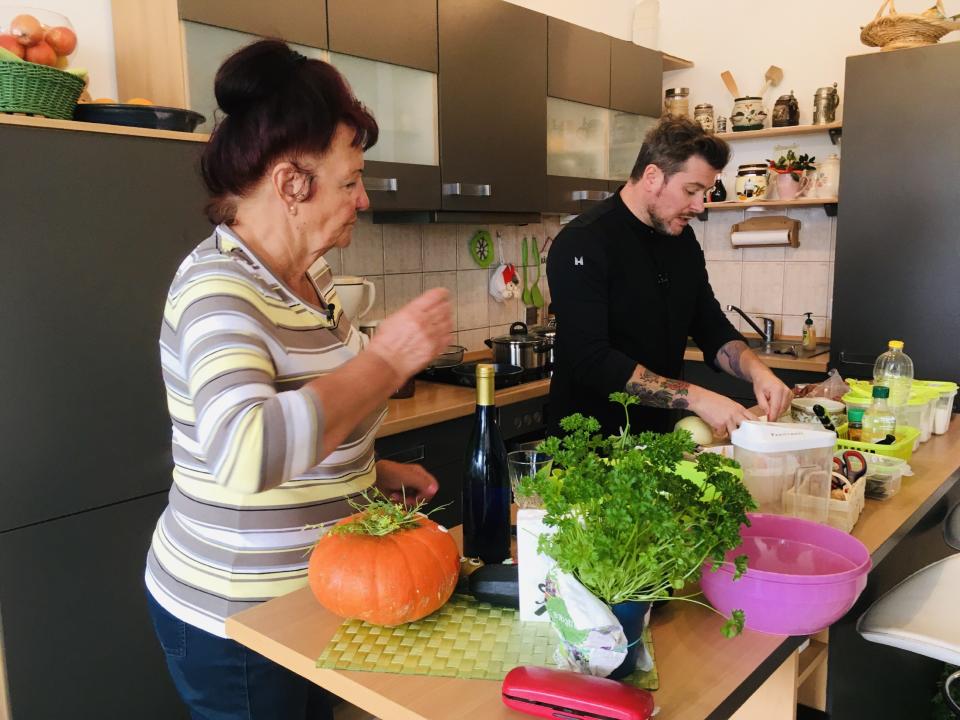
(147, 116)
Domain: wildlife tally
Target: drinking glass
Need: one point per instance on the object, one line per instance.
(522, 464)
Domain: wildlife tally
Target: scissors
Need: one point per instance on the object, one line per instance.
(851, 464)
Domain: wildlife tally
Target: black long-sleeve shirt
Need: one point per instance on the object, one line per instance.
(625, 294)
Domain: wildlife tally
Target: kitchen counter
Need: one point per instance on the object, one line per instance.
(818, 363)
(702, 674)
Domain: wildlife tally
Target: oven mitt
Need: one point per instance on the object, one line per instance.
(504, 283)
(592, 640)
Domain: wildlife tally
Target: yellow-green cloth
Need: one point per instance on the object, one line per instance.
(464, 638)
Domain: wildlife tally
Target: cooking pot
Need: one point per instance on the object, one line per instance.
(520, 348)
(548, 333)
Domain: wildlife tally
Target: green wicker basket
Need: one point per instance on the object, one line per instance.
(33, 89)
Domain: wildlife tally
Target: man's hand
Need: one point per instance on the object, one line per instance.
(773, 396)
(401, 482)
(721, 413)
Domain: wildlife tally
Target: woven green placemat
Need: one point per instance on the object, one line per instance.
(464, 638)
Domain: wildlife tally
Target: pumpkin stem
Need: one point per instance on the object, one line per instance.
(380, 516)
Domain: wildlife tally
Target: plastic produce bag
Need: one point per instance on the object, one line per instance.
(592, 640)
(833, 387)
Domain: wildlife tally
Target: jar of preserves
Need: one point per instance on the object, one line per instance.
(703, 114)
(752, 182)
(676, 102)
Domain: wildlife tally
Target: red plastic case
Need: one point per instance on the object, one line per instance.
(549, 693)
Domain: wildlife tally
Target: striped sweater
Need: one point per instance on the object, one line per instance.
(249, 497)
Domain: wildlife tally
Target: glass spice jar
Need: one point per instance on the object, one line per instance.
(676, 101)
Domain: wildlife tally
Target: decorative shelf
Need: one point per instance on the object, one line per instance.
(672, 62)
(74, 125)
(834, 129)
(829, 205)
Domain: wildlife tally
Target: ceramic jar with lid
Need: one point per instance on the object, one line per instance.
(703, 114)
(748, 114)
(825, 104)
(676, 101)
(751, 182)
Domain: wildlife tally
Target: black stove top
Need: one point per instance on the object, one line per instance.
(465, 374)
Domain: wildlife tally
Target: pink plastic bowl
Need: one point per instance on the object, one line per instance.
(801, 576)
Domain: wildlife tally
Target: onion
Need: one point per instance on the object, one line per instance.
(702, 434)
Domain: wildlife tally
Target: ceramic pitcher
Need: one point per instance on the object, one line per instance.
(827, 177)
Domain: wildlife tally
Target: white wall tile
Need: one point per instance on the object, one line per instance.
(402, 252)
(734, 318)
(805, 288)
(725, 279)
(401, 289)
(473, 339)
(815, 233)
(332, 256)
(793, 326)
(364, 254)
(717, 235)
(499, 313)
(762, 288)
(448, 280)
(472, 296)
(763, 254)
(439, 247)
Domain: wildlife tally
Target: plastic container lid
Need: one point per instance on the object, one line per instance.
(941, 386)
(781, 437)
(881, 391)
(922, 395)
(855, 414)
(897, 344)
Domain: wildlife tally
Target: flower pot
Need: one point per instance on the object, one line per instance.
(631, 615)
(790, 189)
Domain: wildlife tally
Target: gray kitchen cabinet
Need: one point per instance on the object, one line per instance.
(401, 186)
(578, 63)
(571, 195)
(636, 78)
(299, 21)
(401, 33)
(77, 637)
(492, 85)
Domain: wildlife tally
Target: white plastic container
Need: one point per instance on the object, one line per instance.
(884, 476)
(917, 412)
(944, 409)
(786, 467)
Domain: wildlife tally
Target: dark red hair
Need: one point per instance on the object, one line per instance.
(276, 104)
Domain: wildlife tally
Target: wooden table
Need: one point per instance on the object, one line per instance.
(702, 674)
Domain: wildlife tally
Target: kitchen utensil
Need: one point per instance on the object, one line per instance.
(519, 348)
(728, 81)
(536, 297)
(822, 417)
(452, 355)
(851, 464)
(801, 576)
(771, 78)
(546, 692)
(148, 116)
(802, 410)
(481, 248)
(525, 295)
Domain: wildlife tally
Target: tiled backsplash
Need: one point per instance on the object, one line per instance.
(404, 260)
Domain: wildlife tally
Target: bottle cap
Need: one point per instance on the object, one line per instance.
(896, 344)
(484, 370)
(881, 391)
(855, 414)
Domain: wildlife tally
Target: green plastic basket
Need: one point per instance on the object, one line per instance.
(33, 89)
(902, 447)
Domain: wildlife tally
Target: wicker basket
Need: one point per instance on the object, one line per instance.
(33, 89)
(896, 31)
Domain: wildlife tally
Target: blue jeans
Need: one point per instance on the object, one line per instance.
(220, 679)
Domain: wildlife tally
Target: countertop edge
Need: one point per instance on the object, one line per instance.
(814, 364)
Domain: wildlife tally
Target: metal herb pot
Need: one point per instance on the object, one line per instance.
(519, 348)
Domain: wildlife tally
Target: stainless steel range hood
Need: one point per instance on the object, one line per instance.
(463, 217)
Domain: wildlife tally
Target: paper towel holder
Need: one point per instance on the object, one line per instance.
(772, 222)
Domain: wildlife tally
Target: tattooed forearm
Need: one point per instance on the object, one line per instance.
(657, 391)
(728, 358)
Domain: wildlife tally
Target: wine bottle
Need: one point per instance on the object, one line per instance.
(486, 484)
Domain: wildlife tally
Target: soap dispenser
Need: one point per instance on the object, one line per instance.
(809, 333)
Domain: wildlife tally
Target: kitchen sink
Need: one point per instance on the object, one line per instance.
(789, 348)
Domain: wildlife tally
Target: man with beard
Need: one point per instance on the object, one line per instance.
(629, 284)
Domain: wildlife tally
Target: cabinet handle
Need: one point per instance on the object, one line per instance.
(590, 195)
(376, 184)
(464, 189)
(864, 360)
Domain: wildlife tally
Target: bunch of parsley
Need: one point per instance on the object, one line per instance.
(627, 525)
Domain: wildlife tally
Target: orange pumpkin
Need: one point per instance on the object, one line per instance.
(385, 579)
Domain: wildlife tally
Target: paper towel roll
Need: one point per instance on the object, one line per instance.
(760, 237)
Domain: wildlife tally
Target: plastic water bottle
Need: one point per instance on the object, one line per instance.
(894, 370)
(646, 24)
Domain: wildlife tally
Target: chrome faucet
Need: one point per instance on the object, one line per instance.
(766, 333)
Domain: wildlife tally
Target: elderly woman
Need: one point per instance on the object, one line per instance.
(274, 395)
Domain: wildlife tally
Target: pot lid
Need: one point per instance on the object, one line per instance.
(519, 335)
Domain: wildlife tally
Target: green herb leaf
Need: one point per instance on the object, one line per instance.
(734, 624)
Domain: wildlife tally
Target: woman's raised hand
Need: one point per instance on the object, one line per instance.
(415, 334)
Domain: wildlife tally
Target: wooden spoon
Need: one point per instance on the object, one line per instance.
(727, 78)
(771, 78)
